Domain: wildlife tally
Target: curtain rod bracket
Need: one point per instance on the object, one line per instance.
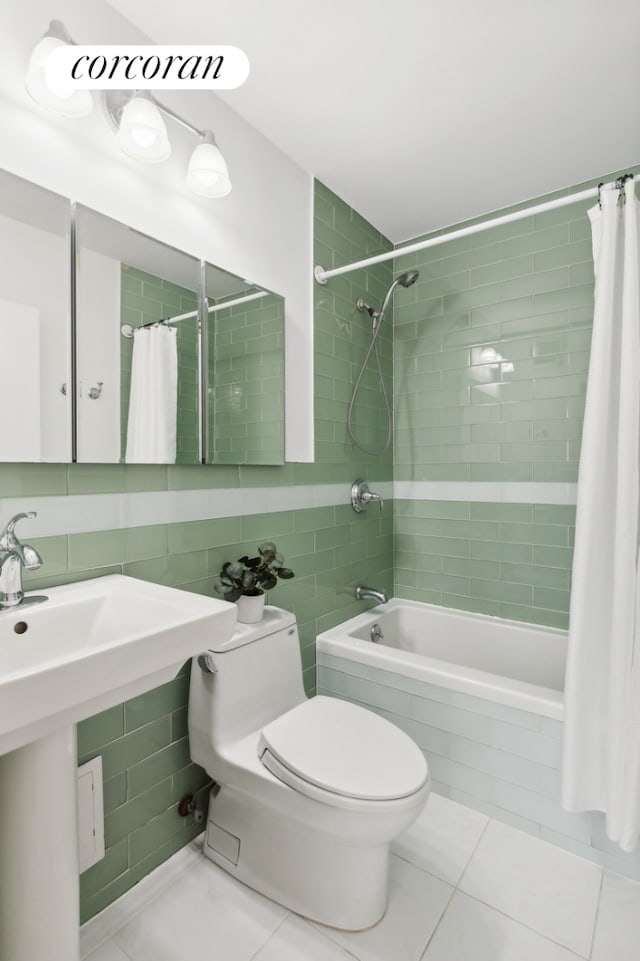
(319, 274)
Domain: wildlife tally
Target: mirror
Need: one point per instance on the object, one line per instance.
(152, 383)
(34, 322)
(244, 345)
(137, 346)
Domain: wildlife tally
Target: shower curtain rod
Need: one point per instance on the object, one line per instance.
(322, 276)
(127, 330)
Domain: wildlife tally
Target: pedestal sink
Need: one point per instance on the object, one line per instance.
(89, 646)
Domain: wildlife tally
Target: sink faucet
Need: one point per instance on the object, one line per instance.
(13, 557)
(363, 593)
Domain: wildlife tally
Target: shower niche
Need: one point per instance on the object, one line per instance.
(113, 336)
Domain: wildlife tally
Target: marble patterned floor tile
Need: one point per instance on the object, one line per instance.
(297, 940)
(208, 914)
(416, 903)
(549, 890)
(103, 925)
(618, 925)
(472, 931)
(442, 839)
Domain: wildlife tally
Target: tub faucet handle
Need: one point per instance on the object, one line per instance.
(361, 496)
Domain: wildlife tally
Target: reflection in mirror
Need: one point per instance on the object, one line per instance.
(34, 322)
(137, 347)
(244, 343)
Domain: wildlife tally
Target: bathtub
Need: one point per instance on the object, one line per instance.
(507, 662)
(483, 699)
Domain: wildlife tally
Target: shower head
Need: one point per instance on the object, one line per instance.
(407, 279)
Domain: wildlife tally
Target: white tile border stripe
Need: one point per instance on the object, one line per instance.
(81, 513)
(512, 492)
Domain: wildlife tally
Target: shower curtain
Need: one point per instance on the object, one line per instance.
(153, 399)
(601, 767)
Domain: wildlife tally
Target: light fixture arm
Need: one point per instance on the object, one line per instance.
(58, 30)
(116, 100)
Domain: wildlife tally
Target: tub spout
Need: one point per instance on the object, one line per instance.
(365, 593)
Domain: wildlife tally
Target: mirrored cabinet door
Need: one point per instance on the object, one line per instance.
(34, 322)
(244, 344)
(137, 347)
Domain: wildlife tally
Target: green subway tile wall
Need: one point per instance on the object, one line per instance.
(145, 298)
(144, 742)
(491, 355)
(509, 560)
(490, 371)
(343, 334)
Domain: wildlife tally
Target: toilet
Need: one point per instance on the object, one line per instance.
(309, 792)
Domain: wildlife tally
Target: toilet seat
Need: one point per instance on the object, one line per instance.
(342, 754)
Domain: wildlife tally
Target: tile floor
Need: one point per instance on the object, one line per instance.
(463, 888)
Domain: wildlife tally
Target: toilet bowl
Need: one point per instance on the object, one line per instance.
(309, 793)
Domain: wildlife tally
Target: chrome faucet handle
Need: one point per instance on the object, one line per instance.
(361, 496)
(8, 536)
(9, 542)
(14, 556)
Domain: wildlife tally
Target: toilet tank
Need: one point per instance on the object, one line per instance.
(258, 678)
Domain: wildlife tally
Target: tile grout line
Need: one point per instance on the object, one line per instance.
(597, 914)
(440, 920)
(271, 936)
(477, 845)
(527, 927)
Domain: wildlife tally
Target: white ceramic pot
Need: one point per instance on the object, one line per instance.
(250, 608)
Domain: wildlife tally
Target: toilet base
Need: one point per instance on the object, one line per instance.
(310, 872)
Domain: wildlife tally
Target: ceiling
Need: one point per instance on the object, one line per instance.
(425, 113)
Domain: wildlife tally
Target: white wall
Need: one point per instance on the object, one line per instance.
(262, 230)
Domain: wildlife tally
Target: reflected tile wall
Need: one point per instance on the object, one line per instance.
(246, 383)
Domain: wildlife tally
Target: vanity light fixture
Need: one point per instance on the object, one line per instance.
(207, 174)
(141, 133)
(136, 116)
(63, 100)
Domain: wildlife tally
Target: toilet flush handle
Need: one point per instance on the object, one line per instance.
(207, 663)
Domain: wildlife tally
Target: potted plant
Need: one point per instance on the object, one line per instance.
(245, 580)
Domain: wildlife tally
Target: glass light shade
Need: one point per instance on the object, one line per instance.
(63, 100)
(207, 174)
(142, 133)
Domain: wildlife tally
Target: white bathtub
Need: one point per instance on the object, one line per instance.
(482, 698)
(518, 665)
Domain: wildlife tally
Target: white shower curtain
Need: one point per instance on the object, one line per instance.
(153, 399)
(601, 768)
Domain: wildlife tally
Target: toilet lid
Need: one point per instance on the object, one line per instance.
(345, 749)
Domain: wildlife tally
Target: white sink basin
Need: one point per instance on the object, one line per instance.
(94, 644)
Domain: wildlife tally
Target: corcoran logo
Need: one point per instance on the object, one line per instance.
(113, 67)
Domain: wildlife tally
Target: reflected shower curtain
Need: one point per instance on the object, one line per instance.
(153, 399)
(601, 768)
